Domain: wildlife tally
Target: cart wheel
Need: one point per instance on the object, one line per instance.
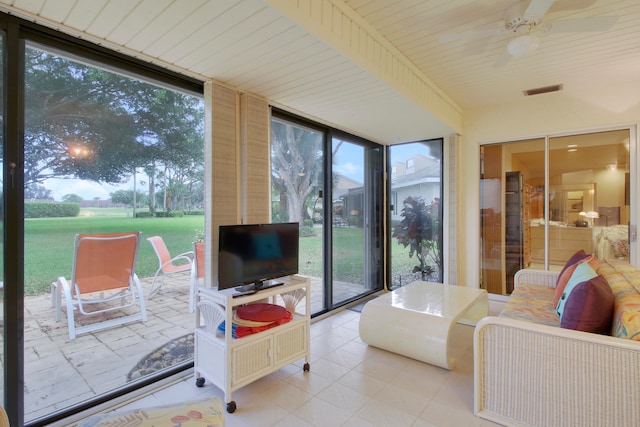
(306, 367)
(199, 381)
(231, 407)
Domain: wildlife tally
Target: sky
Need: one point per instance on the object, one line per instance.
(349, 162)
(88, 190)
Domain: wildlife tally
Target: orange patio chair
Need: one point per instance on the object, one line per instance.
(103, 279)
(167, 263)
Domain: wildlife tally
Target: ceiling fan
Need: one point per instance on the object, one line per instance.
(525, 23)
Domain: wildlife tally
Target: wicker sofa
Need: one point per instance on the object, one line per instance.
(529, 373)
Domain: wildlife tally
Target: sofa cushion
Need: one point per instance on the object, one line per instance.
(532, 303)
(589, 307)
(629, 325)
(624, 280)
(581, 273)
(568, 270)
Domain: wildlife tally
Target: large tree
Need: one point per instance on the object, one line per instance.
(296, 167)
(69, 130)
(173, 141)
(85, 122)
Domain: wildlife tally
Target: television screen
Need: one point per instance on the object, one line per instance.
(254, 253)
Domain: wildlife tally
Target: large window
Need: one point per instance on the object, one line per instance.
(337, 204)
(357, 241)
(107, 147)
(2, 279)
(534, 216)
(297, 154)
(415, 197)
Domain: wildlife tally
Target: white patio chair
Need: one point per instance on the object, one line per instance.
(103, 279)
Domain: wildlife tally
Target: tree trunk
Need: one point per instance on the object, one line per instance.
(152, 191)
(135, 179)
(164, 188)
(296, 208)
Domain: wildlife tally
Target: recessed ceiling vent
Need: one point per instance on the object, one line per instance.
(546, 89)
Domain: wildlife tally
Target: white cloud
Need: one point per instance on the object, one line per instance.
(350, 170)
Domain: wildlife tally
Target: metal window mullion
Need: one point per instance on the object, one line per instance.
(13, 238)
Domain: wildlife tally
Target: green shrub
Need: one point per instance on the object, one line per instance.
(165, 214)
(50, 210)
(195, 212)
(144, 214)
(308, 223)
(307, 231)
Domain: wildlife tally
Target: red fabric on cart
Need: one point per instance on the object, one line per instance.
(243, 331)
(261, 312)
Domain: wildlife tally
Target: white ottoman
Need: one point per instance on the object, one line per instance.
(417, 319)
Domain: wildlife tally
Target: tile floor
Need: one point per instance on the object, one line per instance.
(350, 384)
(100, 361)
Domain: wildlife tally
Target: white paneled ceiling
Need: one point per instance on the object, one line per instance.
(250, 45)
(477, 72)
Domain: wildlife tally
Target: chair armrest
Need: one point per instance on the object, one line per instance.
(536, 277)
(188, 254)
(531, 374)
(188, 260)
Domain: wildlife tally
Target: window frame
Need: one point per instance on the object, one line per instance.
(17, 32)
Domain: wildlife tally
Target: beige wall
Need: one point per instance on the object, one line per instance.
(237, 143)
(547, 114)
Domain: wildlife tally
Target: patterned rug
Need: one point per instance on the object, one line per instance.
(208, 412)
(168, 354)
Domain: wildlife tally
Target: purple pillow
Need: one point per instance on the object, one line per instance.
(575, 258)
(589, 307)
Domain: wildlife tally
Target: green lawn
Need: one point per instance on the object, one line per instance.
(49, 245)
(348, 255)
(49, 241)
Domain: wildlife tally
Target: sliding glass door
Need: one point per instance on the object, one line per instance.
(332, 186)
(86, 149)
(537, 216)
(355, 223)
(297, 154)
(589, 196)
(415, 198)
(3, 356)
(511, 200)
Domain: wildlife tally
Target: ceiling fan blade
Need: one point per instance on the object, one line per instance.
(537, 8)
(582, 25)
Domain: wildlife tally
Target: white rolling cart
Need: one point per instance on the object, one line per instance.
(231, 363)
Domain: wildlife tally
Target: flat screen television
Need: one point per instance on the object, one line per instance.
(250, 255)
